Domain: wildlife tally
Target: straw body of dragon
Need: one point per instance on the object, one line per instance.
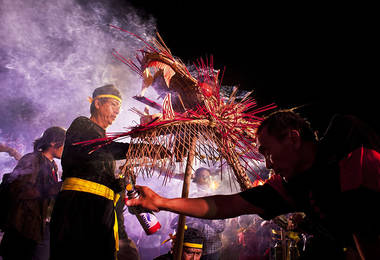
(192, 108)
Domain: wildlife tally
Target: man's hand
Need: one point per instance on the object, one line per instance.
(212, 207)
(148, 199)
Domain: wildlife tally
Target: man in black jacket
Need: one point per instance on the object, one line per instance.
(84, 223)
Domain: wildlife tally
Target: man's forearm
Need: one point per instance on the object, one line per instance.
(194, 207)
(212, 207)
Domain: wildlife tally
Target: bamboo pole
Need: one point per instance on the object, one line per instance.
(185, 194)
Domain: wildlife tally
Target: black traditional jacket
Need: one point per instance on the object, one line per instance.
(33, 187)
(82, 162)
(83, 222)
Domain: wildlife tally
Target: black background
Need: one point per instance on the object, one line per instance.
(320, 57)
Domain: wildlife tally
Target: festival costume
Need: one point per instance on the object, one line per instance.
(84, 219)
(340, 193)
(32, 189)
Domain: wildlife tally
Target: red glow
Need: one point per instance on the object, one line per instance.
(206, 89)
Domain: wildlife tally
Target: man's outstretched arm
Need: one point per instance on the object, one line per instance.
(212, 207)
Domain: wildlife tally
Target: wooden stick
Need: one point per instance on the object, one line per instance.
(358, 247)
(185, 194)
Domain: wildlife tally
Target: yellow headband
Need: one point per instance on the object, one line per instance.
(193, 245)
(104, 96)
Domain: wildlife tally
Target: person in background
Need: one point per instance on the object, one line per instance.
(254, 239)
(193, 242)
(33, 186)
(203, 180)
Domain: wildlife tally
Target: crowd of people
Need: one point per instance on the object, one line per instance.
(334, 180)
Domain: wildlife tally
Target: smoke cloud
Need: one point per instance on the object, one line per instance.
(54, 54)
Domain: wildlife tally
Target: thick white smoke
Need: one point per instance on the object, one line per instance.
(54, 54)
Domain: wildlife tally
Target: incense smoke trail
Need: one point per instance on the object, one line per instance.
(54, 54)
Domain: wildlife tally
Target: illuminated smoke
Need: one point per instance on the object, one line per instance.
(53, 54)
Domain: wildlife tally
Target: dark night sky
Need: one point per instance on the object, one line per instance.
(319, 56)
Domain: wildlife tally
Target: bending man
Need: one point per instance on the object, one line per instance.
(335, 181)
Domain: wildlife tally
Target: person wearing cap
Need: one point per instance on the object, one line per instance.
(31, 190)
(84, 222)
(193, 241)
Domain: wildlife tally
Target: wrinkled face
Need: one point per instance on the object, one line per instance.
(108, 110)
(190, 253)
(280, 155)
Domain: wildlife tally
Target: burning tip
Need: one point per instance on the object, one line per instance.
(129, 187)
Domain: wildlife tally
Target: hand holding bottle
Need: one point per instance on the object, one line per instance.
(147, 219)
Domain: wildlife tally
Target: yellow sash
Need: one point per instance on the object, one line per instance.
(78, 184)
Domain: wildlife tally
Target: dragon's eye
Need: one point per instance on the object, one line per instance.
(206, 89)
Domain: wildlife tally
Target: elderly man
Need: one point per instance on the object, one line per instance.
(84, 223)
(335, 181)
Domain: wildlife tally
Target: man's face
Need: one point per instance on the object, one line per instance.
(108, 110)
(203, 177)
(281, 156)
(56, 150)
(190, 253)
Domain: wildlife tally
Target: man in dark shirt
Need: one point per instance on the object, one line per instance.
(32, 188)
(193, 246)
(84, 223)
(335, 181)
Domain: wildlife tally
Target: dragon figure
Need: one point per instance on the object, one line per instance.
(192, 107)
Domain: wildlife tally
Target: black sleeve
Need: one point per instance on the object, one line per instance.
(268, 199)
(118, 150)
(360, 210)
(81, 130)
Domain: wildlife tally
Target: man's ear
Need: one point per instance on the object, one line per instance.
(53, 144)
(97, 104)
(295, 138)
